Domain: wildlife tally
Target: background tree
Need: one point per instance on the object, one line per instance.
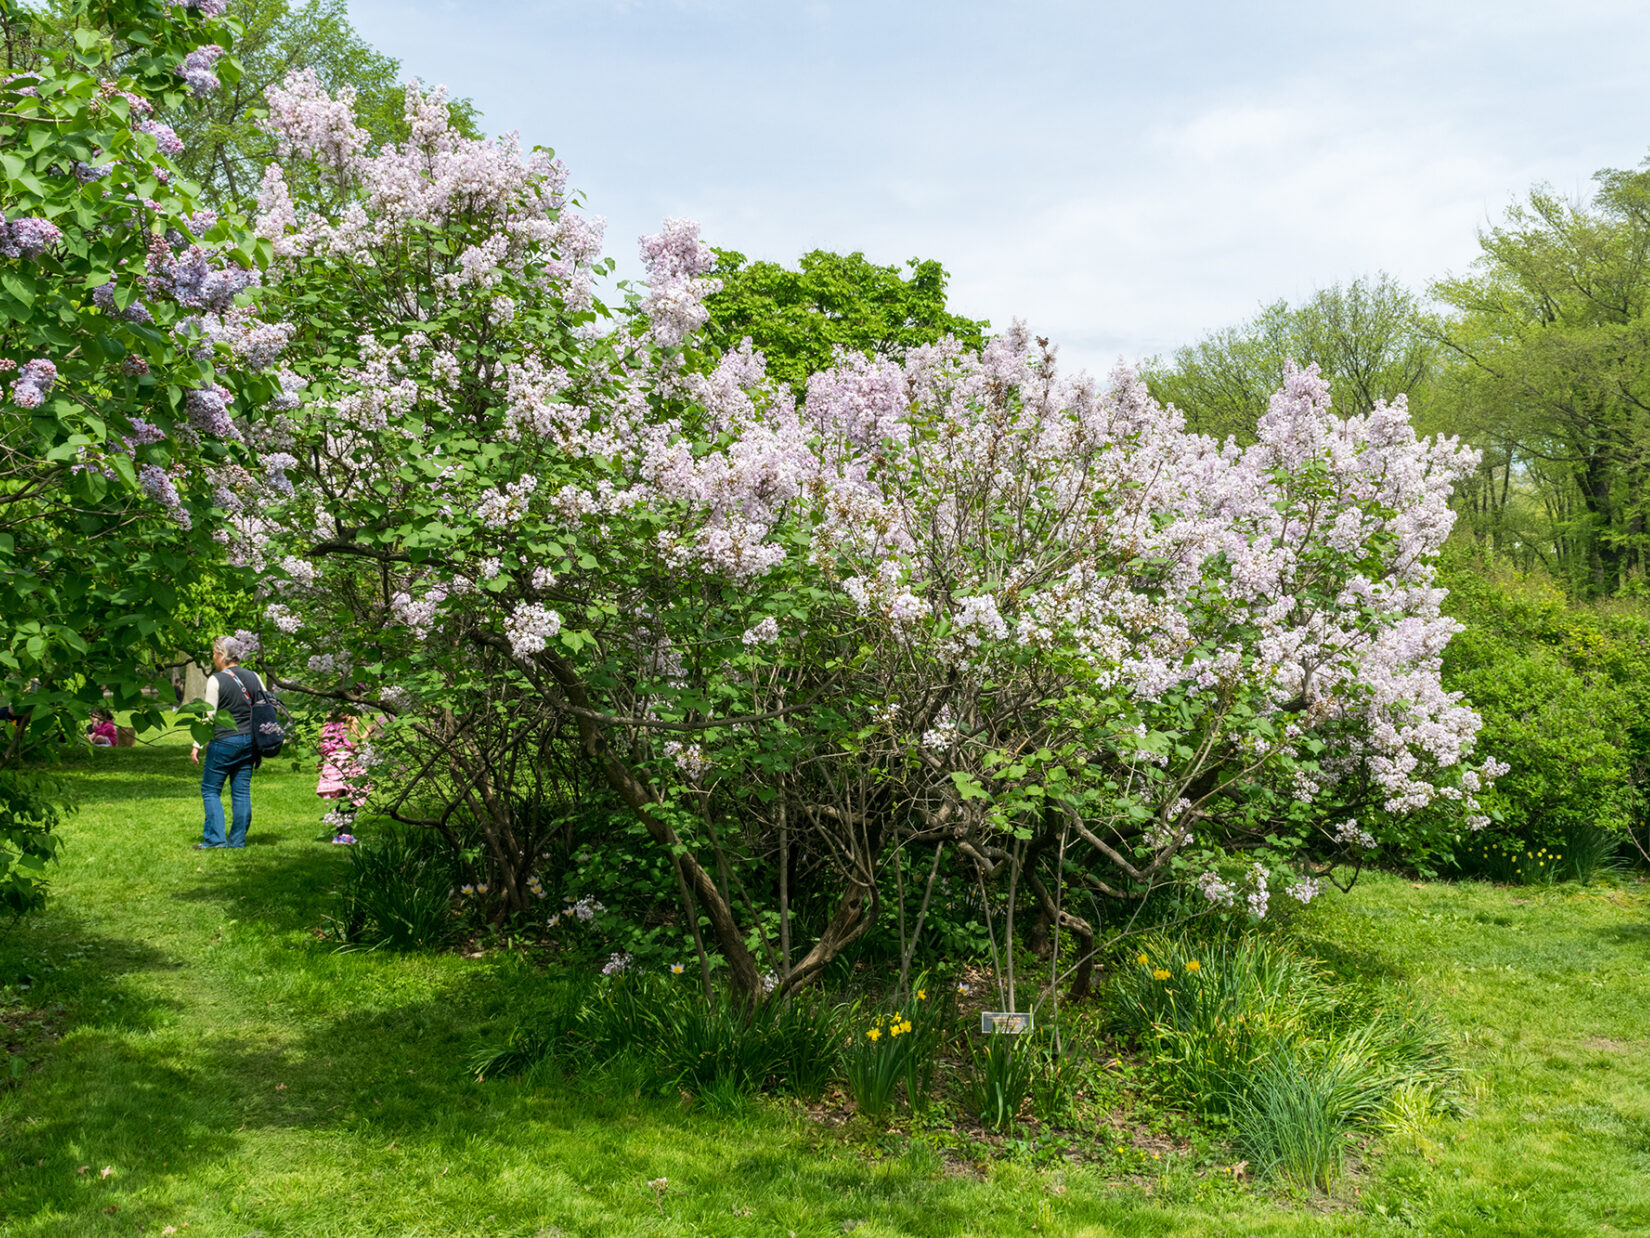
(226, 151)
(1552, 338)
(799, 318)
(1367, 338)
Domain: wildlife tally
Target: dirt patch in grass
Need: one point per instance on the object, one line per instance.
(1605, 1045)
(25, 1036)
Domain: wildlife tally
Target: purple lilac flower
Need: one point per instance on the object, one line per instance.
(196, 69)
(31, 237)
(208, 409)
(153, 479)
(192, 280)
(166, 138)
(33, 382)
(208, 9)
(260, 346)
(103, 296)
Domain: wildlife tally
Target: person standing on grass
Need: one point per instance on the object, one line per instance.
(231, 754)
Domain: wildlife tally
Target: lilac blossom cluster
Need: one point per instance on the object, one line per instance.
(530, 628)
(33, 383)
(1305, 890)
(167, 141)
(28, 237)
(103, 296)
(208, 411)
(1351, 834)
(197, 69)
(583, 910)
(436, 178)
(161, 488)
(676, 261)
(195, 277)
(208, 9)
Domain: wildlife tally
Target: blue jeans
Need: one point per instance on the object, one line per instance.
(227, 759)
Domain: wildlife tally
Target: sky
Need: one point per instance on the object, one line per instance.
(1126, 178)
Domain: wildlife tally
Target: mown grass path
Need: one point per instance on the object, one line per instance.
(236, 1076)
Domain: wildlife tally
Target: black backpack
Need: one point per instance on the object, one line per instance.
(267, 733)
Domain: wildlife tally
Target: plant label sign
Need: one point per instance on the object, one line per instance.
(1005, 1022)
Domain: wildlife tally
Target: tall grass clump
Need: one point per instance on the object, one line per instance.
(397, 893)
(893, 1049)
(668, 1037)
(1003, 1071)
(1242, 1026)
(1591, 847)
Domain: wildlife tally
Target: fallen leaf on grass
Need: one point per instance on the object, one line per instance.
(280, 1087)
(170, 1229)
(112, 1209)
(107, 1170)
(81, 1170)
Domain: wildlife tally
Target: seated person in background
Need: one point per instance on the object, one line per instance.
(103, 733)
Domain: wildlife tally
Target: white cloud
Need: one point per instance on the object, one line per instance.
(1123, 177)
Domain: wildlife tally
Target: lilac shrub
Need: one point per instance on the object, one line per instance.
(132, 414)
(111, 489)
(953, 600)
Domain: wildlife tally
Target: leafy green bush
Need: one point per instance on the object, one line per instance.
(894, 1048)
(810, 1029)
(1563, 689)
(537, 1040)
(31, 807)
(1293, 1116)
(398, 893)
(877, 1062)
(1591, 847)
(1511, 862)
(719, 1048)
(1290, 1120)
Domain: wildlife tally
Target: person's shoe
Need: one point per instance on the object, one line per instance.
(208, 846)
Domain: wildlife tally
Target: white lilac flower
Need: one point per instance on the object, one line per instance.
(530, 628)
(1259, 896)
(1350, 833)
(689, 758)
(1305, 890)
(1219, 892)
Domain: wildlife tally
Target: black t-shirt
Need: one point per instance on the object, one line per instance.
(234, 699)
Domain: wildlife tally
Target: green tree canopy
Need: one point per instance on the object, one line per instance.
(1553, 340)
(224, 148)
(799, 318)
(1366, 337)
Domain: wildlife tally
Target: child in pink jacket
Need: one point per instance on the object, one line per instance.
(343, 778)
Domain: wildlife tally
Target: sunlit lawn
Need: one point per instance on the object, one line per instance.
(220, 1069)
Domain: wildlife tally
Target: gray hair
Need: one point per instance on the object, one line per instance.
(229, 647)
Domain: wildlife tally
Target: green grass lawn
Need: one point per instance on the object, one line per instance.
(198, 1058)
